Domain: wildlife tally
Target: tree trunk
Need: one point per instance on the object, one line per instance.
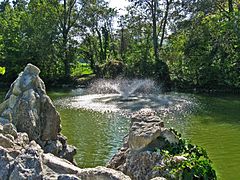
(122, 47)
(161, 68)
(101, 45)
(165, 22)
(65, 55)
(106, 42)
(154, 29)
(65, 31)
(230, 5)
(90, 54)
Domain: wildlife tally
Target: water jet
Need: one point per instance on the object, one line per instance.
(126, 96)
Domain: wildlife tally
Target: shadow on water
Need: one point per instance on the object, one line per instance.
(222, 109)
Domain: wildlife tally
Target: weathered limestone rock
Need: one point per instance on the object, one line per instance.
(68, 152)
(5, 163)
(29, 108)
(26, 160)
(143, 133)
(67, 177)
(102, 173)
(3, 121)
(59, 165)
(22, 139)
(10, 129)
(3, 106)
(28, 165)
(169, 136)
(159, 178)
(145, 128)
(50, 119)
(138, 157)
(1, 128)
(141, 165)
(6, 142)
(19, 163)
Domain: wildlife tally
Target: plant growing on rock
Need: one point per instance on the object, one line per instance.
(184, 160)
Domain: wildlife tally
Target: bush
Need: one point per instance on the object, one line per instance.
(196, 165)
(113, 68)
(81, 69)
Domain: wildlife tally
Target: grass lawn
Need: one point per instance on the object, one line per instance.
(81, 69)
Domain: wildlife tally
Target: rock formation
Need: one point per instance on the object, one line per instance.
(30, 109)
(152, 151)
(136, 158)
(24, 159)
(30, 138)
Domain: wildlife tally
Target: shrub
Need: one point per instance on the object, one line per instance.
(196, 164)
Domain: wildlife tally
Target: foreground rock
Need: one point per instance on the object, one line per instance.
(31, 146)
(152, 151)
(26, 160)
(29, 108)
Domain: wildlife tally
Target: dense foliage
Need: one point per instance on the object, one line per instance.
(185, 161)
(184, 43)
(206, 53)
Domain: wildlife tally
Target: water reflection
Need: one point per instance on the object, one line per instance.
(96, 135)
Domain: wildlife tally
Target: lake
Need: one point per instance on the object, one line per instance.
(214, 124)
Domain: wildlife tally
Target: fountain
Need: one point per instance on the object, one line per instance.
(127, 89)
(103, 111)
(126, 97)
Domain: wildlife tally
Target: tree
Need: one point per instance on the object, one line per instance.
(158, 14)
(96, 22)
(29, 33)
(3, 5)
(205, 54)
(42, 36)
(10, 39)
(68, 18)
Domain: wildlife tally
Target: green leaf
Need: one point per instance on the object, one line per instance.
(2, 70)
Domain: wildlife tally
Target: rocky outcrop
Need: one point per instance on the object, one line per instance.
(26, 160)
(29, 108)
(139, 157)
(102, 173)
(143, 131)
(31, 146)
(152, 151)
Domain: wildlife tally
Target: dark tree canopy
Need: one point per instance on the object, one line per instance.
(183, 43)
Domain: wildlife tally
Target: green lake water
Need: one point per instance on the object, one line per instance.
(215, 125)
